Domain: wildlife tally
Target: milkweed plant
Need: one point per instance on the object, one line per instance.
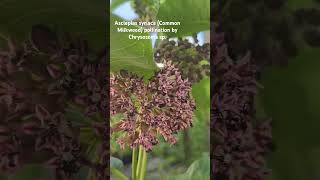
(162, 106)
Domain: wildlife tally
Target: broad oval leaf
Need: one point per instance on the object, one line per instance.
(194, 16)
(198, 170)
(201, 94)
(133, 55)
(116, 163)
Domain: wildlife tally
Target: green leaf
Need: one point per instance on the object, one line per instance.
(194, 16)
(201, 94)
(116, 163)
(291, 98)
(199, 170)
(76, 115)
(32, 172)
(298, 4)
(133, 55)
(83, 17)
(118, 174)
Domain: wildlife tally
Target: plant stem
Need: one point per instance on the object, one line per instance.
(187, 144)
(144, 165)
(119, 174)
(134, 163)
(139, 162)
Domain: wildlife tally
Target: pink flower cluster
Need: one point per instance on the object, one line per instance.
(240, 142)
(162, 105)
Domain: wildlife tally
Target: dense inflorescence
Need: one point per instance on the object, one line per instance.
(40, 78)
(160, 106)
(239, 141)
(191, 58)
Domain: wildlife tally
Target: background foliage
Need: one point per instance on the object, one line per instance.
(291, 97)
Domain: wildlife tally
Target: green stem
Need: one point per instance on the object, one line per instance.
(139, 162)
(118, 174)
(134, 163)
(144, 165)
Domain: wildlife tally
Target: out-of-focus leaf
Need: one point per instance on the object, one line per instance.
(201, 94)
(291, 98)
(118, 174)
(116, 163)
(133, 55)
(193, 15)
(297, 4)
(82, 17)
(77, 116)
(32, 172)
(198, 170)
(115, 166)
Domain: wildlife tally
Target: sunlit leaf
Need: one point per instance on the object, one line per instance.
(194, 16)
(133, 55)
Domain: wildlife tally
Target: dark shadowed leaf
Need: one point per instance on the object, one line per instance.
(85, 18)
(44, 39)
(42, 113)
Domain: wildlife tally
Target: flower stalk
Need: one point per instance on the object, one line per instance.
(144, 164)
(134, 163)
(162, 106)
(139, 167)
(139, 163)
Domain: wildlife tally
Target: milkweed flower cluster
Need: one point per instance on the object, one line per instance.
(191, 58)
(39, 78)
(162, 105)
(240, 142)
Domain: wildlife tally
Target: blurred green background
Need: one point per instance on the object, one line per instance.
(291, 97)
